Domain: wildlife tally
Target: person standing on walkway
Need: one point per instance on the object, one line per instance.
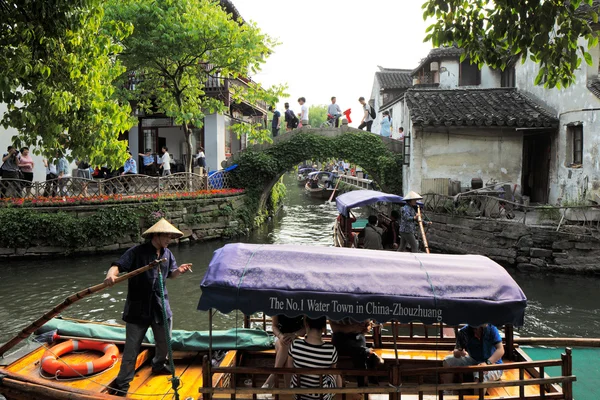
(11, 187)
(408, 223)
(276, 123)
(165, 162)
(367, 120)
(386, 125)
(149, 163)
(26, 166)
(291, 121)
(51, 175)
(303, 112)
(144, 305)
(335, 111)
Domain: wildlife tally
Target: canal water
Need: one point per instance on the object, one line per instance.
(559, 305)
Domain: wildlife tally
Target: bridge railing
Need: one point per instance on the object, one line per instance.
(357, 182)
(126, 185)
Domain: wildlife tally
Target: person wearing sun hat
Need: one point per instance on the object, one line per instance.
(143, 307)
(408, 219)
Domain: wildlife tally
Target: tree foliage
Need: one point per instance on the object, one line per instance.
(56, 72)
(548, 32)
(317, 115)
(177, 46)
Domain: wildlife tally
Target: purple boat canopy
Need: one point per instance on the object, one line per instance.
(361, 284)
(359, 198)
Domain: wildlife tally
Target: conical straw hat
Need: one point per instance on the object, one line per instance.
(413, 196)
(163, 226)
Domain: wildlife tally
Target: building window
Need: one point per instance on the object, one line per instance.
(470, 74)
(575, 144)
(507, 77)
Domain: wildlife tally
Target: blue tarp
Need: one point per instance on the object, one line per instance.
(359, 198)
(361, 284)
(216, 178)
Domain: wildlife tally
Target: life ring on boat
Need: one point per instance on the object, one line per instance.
(52, 365)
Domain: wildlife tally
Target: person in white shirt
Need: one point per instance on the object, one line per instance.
(303, 111)
(165, 162)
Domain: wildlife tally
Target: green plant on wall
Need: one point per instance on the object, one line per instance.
(277, 196)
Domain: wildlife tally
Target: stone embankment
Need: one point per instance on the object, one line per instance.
(528, 248)
(199, 220)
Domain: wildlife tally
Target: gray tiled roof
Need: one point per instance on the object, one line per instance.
(489, 107)
(438, 54)
(394, 78)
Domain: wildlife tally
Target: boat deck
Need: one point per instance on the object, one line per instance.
(188, 366)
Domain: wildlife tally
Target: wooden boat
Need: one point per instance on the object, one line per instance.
(390, 287)
(347, 227)
(303, 174)
(321, 184)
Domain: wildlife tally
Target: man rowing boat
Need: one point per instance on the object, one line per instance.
(144, 305)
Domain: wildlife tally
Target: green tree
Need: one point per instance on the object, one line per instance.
(317, 114)
(177, 45)
(57, 70)
(547, 32)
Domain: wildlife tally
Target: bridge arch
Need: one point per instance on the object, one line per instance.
(261, 166)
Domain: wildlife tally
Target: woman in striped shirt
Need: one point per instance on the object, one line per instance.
(312, 352)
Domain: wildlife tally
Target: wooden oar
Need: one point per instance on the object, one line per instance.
(336, 186)
(420, 219)
(67, 302)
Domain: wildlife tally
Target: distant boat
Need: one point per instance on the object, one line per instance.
(302, 175)
(321, 184)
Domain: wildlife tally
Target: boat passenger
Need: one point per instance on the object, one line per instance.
(372, 234)
(392, 239)
(408, 219)
(313, 352)
(480, 345)
(285, 329)
(144, 307)
(349, 340)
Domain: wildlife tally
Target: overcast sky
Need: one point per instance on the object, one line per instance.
(333, 47)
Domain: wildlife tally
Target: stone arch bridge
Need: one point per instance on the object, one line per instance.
(261, 166)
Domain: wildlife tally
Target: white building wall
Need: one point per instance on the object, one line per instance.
(214, 140)
(376, 95)
(465, 153)
(490, 78)
(449, 73)
(574, 105)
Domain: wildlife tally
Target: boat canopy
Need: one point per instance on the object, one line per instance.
(339, 282)
(359, 198)
(312, 174)
(305, 170)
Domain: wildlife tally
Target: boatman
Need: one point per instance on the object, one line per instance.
(143, 307)
(408, 223)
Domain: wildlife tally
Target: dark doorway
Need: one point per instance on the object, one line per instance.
(162, 142)
(536, 167)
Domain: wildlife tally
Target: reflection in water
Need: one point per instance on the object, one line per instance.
(559, 305)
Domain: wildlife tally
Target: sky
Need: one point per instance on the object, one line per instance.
(333, 47)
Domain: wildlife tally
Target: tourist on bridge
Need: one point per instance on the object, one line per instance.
(276, 123)
(400, 135)
(480, 345)
(367, 120)
(149, 167)
(373, 234)
(335, 111)
(408, 223)
(386, 125)
(303, 112)
(291, 121)
(144, 306)
(11, 187)
(26, 165)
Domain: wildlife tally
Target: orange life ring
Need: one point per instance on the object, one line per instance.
(51, 365)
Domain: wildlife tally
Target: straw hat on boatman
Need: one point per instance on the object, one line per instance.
(144, 305)
(408, 226)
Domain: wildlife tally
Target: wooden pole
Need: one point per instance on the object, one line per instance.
(420, 219)
(67, 302)
(336, 186)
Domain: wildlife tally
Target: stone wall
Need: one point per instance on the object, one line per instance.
(198, 219)
(512, 244)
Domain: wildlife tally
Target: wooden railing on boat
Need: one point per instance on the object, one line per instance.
(407, 381)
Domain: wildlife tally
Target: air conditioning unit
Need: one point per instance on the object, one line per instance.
(434, 66)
